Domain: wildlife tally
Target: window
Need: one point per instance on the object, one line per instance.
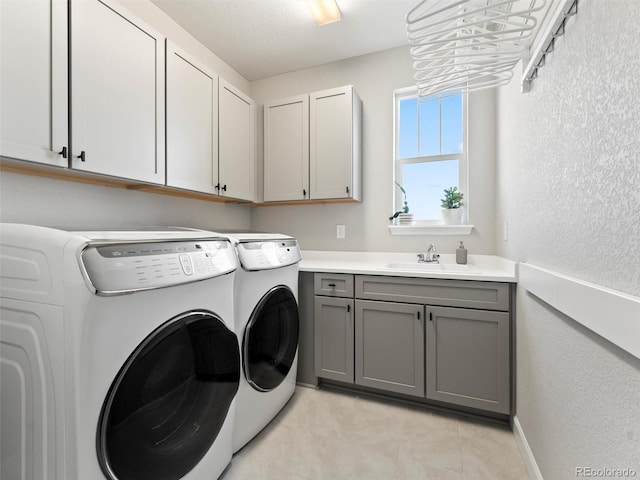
(430, 151)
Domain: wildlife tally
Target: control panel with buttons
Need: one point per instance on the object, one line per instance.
(265, 255)
(124, 268)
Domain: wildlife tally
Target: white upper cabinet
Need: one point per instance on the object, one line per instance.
(236, 143)
(117, 93)
(192, 123)
(286, 149)
(33, 81)
(83, 85)
(335, 143)
(312, 146)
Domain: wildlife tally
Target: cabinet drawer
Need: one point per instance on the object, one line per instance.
(334, 284)
(446, 293)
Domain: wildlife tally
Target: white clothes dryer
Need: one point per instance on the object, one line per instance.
(267, 325)
(117, 352)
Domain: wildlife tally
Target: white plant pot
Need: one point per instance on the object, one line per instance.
(452, 216)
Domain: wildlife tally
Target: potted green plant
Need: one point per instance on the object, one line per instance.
(451, 205)
(404, 211)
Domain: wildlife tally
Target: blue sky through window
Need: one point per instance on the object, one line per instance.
(452, 125)
(429, 129)
(425, 183)
(424, 121)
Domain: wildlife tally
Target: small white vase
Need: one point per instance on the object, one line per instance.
(452, 216)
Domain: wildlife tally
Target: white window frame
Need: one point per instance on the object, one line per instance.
(429, 226)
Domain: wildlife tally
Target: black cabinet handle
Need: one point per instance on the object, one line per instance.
(332, 285)
(418, 314)
(224, 188)
(82, 156)
(348, 308)
(304, 192)
(347, 190)
(431, 316)
(63, 152)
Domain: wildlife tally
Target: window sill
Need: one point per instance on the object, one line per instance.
(430, 229)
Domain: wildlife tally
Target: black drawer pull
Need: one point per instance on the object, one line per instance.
(82, 156)
(332, 285)
(63, 152)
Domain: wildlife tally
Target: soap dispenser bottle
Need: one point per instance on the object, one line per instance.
(461, 254)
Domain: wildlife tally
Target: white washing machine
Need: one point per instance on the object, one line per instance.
(117, 352)
(267, 325)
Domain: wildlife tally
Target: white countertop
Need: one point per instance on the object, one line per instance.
(488, 268)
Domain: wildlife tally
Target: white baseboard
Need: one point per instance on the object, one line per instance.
(527, 455)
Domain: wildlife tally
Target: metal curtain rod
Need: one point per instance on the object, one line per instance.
(555, 29)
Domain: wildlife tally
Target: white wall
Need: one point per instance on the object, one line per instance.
(569, 186)
(375, 76)
(28, 199)
(47, 201)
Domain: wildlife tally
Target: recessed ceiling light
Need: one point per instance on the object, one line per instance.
(324, 11)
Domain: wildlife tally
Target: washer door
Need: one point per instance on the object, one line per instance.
(271, 339)
(169, 401)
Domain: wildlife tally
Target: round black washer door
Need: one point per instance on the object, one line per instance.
(271, 339)
(169, 401)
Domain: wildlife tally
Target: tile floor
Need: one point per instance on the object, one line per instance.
(328, 435)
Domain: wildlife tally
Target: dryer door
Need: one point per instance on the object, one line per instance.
(271, 339)
(169, 401)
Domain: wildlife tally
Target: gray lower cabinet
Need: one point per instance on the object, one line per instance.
(334, 338)
(389, 346)
(468, 358)
(445, 341)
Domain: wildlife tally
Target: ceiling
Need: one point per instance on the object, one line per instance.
(262, 38)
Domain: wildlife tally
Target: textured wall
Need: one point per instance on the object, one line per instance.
(569, 158)
(568, 181)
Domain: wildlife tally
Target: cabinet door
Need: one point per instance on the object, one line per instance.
(286, 149)
(334, 143)
(334, 338)
(468, 358)
(33, 81)
(192, 123)
(389, 346)
(117, 93)
(236, 143)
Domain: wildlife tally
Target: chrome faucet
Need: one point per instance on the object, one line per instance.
(430, 257)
